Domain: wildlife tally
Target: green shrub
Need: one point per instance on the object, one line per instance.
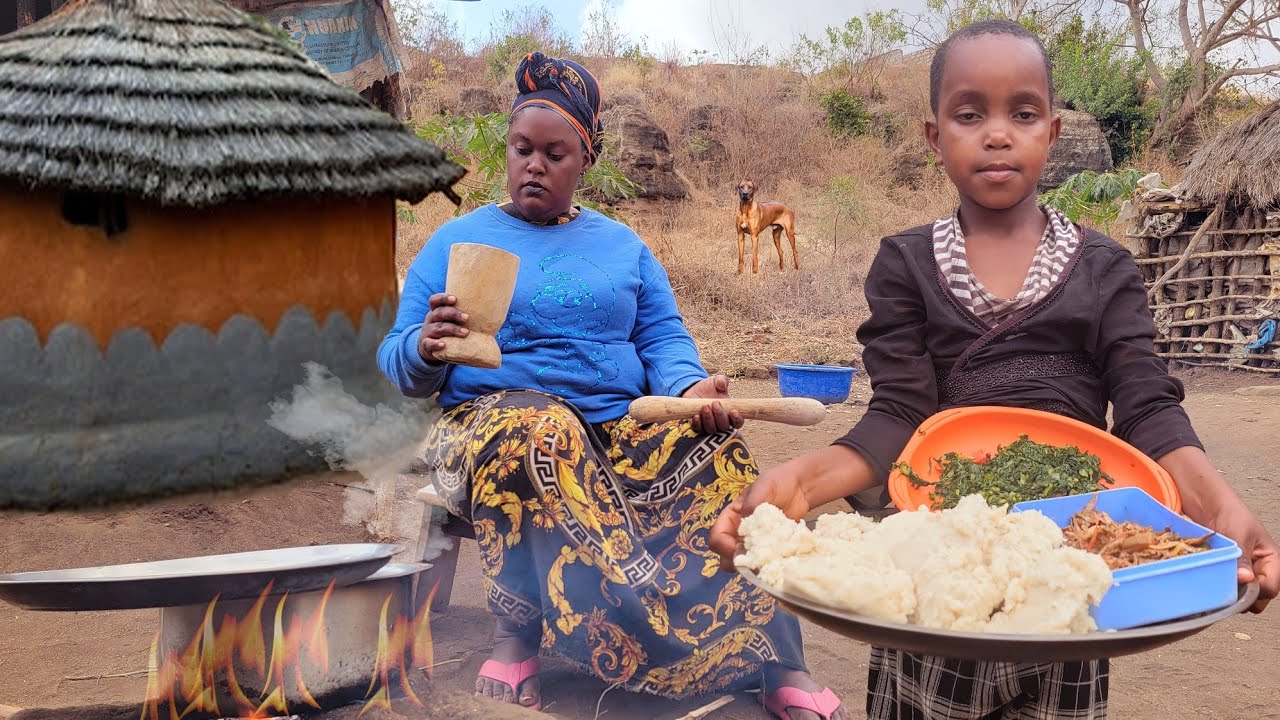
(507, 54)
(480, 142)
(847, 114)
(1094, 73)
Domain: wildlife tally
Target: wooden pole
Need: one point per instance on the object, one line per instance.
(1175, 281)
(1233, 231)
(1158, 285)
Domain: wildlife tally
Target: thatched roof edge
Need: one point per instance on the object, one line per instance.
(193, 103)
(1241, 165)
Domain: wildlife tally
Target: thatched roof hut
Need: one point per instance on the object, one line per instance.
(1241, 166)
(1210, 249)
(198, 210)
(189, 102)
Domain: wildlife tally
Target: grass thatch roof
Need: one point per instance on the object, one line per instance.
(190, 102)
(1240, 165)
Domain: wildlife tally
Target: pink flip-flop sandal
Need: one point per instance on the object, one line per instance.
(513, 676)
(824, 703)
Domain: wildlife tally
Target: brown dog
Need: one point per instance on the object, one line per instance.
(754, 217)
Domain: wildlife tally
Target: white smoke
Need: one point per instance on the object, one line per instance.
(381, 443)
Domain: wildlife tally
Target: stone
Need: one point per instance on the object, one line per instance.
(642, 152)
(477, 101)
(624, 98)
(1081, 146)
(704, 118)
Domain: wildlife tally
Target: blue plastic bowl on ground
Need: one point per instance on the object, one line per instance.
(1159, 591)
(828, 384)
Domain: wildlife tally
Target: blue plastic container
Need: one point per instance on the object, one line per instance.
(828, 384)
(1159, 591)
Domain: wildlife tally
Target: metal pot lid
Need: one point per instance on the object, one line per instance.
(187, 581)
(395, 570)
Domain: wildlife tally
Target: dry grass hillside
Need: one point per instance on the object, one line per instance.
(767, 125)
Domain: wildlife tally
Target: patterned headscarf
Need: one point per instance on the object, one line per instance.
(566, 87)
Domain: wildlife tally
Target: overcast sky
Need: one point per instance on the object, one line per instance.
(704, 25)
(689, 24)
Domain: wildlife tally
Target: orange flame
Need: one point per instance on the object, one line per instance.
(188, 683)
(414, 636)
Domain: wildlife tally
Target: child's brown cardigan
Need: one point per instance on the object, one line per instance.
(1089, 342)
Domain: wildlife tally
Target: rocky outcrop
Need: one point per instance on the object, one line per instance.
(477, 101)
(624, 98)
(642, 152)
(1081, 146)
(705, 118)
(700, 139)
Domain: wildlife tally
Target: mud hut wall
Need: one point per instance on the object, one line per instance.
(176, 265)
(1221, 290)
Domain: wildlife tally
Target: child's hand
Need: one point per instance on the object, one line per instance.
(1210, 501)
(780, 487)
(444, 320)
(1259, 556)
(713, 418)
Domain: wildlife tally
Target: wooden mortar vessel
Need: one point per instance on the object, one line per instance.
(483, 278)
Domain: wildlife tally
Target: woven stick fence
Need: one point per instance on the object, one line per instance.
(1213, 278)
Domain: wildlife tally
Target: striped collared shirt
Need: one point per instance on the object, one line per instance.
(1060, 242)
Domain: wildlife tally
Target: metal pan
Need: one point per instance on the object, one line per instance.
(188, 581)
(1004, 648)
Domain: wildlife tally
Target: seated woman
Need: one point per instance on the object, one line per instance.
(592, 527)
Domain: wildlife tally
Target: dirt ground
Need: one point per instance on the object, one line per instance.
(65, 660)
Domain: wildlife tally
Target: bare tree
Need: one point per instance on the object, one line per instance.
(1221, 42)
(533, 23)
(430, 30)
(855, 52)
(732, 33)
(602, 35)
(943, 17)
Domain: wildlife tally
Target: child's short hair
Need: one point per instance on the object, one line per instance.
(976, 30)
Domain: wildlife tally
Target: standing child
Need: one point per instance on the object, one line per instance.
(1005, 303)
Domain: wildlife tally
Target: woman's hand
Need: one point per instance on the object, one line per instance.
(1210, 501)
(443, 320)
(780, 486)
(713, 418)
(795, 487)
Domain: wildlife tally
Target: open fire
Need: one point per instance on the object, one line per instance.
(225, 662)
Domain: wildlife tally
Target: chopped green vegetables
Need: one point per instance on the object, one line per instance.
(1023, 470)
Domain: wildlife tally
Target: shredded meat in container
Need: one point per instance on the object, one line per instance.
(1126, 544)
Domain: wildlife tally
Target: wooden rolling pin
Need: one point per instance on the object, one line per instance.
(789, 411)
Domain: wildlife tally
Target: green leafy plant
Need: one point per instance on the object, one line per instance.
(1093, 197)
(847, 52)
(1094, 73)
(479, 142)
(518, 32)
(405, 214)
(507, 54)
(842, 192)
(1182, 79)
(847, 114)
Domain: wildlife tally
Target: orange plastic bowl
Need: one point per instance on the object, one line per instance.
(981, 431)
